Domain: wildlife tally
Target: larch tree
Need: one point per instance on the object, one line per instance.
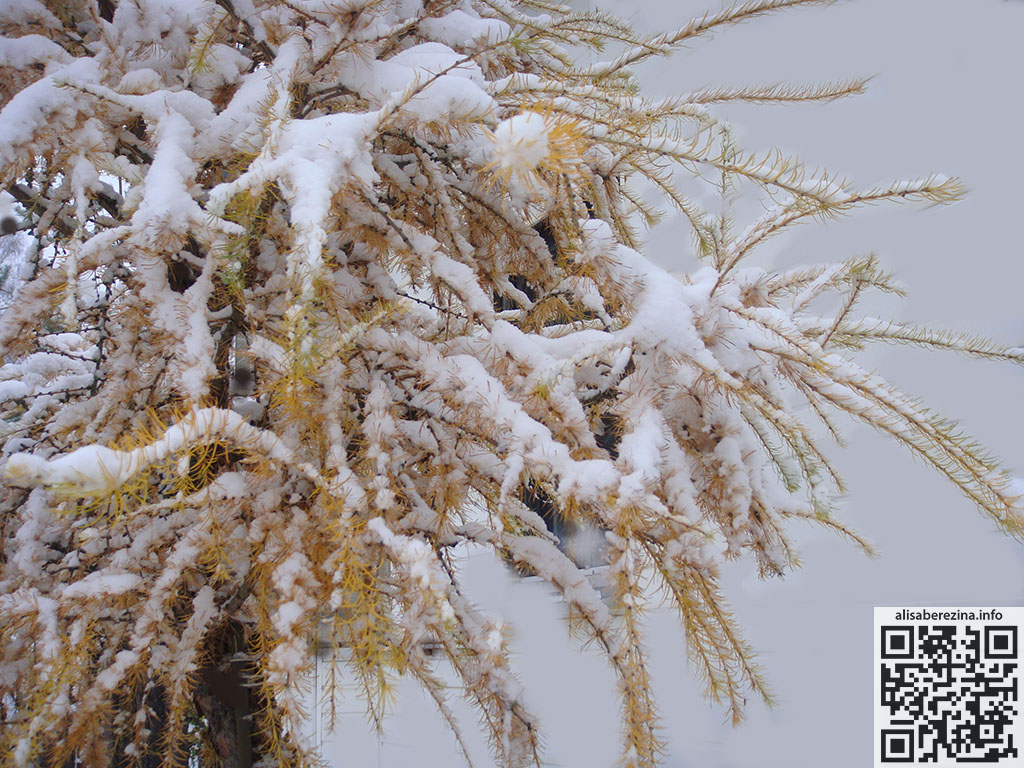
(324, 291)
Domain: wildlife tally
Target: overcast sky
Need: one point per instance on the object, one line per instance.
(946, 98)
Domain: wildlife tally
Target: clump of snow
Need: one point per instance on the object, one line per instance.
(28, 12)
(141, 80)
(521, 143)
(101, 584)
(89, 469)
(459, 28)
(428, 82)
(230, 485)
(22, 52)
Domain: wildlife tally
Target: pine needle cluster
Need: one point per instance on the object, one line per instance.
(326, 291)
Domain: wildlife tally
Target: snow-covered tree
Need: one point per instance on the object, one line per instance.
(324, 291)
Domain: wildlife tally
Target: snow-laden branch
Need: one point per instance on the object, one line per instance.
(96, 469)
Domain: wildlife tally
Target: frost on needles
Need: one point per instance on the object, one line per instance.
(324, 291)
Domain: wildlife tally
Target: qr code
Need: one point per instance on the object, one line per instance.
(947, 685)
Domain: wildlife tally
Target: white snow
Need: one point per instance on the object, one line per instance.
(460, 28)
(22, 52)
(521, 143)
(101, 584)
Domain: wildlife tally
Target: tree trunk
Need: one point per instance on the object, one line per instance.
(224, 699)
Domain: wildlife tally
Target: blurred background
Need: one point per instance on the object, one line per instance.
(945, 97)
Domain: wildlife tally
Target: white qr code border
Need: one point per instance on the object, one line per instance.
(952, 691)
